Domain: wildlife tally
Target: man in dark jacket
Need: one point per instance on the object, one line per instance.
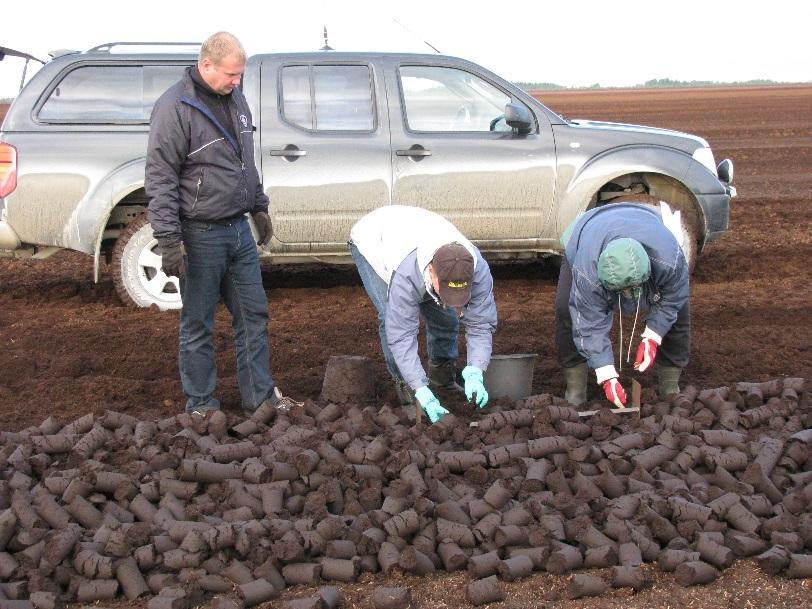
(201, 181)
(621, 256)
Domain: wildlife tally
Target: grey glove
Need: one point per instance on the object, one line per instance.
(173, 258)
(264, 227)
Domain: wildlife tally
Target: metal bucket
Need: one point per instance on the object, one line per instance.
(510, 375)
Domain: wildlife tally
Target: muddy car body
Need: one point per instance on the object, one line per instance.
(337, 135)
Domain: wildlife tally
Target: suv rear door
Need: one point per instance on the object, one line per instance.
(454, 154)
(324, 140)
(92, 118)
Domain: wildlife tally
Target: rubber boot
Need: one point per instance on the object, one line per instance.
(442, 375)
(404, 393)
(668, 379)
(406, 398)
(576, 377)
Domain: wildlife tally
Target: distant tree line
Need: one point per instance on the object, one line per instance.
(536, 86)
(670, 83)
(6, 100)
(655, 83)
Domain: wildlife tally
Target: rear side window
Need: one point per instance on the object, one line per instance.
(328, 97)
(108, 94)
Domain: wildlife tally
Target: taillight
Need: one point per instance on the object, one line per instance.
(8, 169)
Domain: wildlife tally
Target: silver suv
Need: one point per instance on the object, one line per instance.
(338, 134)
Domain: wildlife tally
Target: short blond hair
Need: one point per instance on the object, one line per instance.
(219, 46)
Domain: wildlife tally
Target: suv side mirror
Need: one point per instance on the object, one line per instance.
(519, 117)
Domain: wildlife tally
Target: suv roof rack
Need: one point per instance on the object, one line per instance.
(107, 47)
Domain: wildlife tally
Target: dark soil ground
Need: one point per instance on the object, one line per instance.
(67, 345)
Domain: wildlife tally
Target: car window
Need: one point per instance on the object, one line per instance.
(328, 98)
(296, 96)
(109, 94)
(448, 99)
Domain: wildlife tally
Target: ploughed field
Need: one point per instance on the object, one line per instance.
(69, 347)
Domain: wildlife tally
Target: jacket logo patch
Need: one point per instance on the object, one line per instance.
(244, 120)
(457, 284)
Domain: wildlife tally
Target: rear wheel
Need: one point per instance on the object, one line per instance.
(137, 274)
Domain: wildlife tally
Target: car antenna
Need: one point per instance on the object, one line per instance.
(326, 46)
(426, 42)
(12, 53)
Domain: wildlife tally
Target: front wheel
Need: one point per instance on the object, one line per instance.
(137, 274)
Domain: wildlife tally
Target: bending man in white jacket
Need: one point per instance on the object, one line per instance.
(412, 262)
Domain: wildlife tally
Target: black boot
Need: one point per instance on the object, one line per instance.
(443, 375)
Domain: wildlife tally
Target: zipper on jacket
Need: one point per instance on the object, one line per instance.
(239, 151)
(197, 192)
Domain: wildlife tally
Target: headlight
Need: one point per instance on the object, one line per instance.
(705, 157)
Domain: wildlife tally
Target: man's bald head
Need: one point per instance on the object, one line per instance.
(219, 46)
(222, 62)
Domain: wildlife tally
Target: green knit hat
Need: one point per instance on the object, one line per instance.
(623, 264)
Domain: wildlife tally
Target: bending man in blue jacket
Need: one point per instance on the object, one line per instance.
(414, 262)
(621, 256)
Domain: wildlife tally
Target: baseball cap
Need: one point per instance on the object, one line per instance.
(454, 266)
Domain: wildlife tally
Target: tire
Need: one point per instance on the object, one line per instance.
(688, 220)
(137, 274)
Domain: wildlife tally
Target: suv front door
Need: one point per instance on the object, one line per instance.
(325, 150)
(453, 153)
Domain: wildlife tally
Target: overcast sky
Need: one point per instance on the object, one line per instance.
(574, 43)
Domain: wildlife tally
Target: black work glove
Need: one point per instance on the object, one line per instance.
(264, 227)
(173, 258)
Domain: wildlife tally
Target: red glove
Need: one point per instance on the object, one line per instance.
(646, 354)
(614, 392)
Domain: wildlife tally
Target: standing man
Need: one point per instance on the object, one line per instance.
(621, 256)
(412, 262)
(201, 181)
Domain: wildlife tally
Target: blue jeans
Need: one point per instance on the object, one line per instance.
(442, 323)
(222, 262)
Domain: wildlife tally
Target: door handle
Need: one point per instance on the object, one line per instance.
(288, 151)
(422, 152)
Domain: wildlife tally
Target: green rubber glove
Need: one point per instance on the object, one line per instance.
(430, 404)
(474, 384)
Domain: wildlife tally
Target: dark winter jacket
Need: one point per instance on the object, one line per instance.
(592, 305)
(195, 169)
